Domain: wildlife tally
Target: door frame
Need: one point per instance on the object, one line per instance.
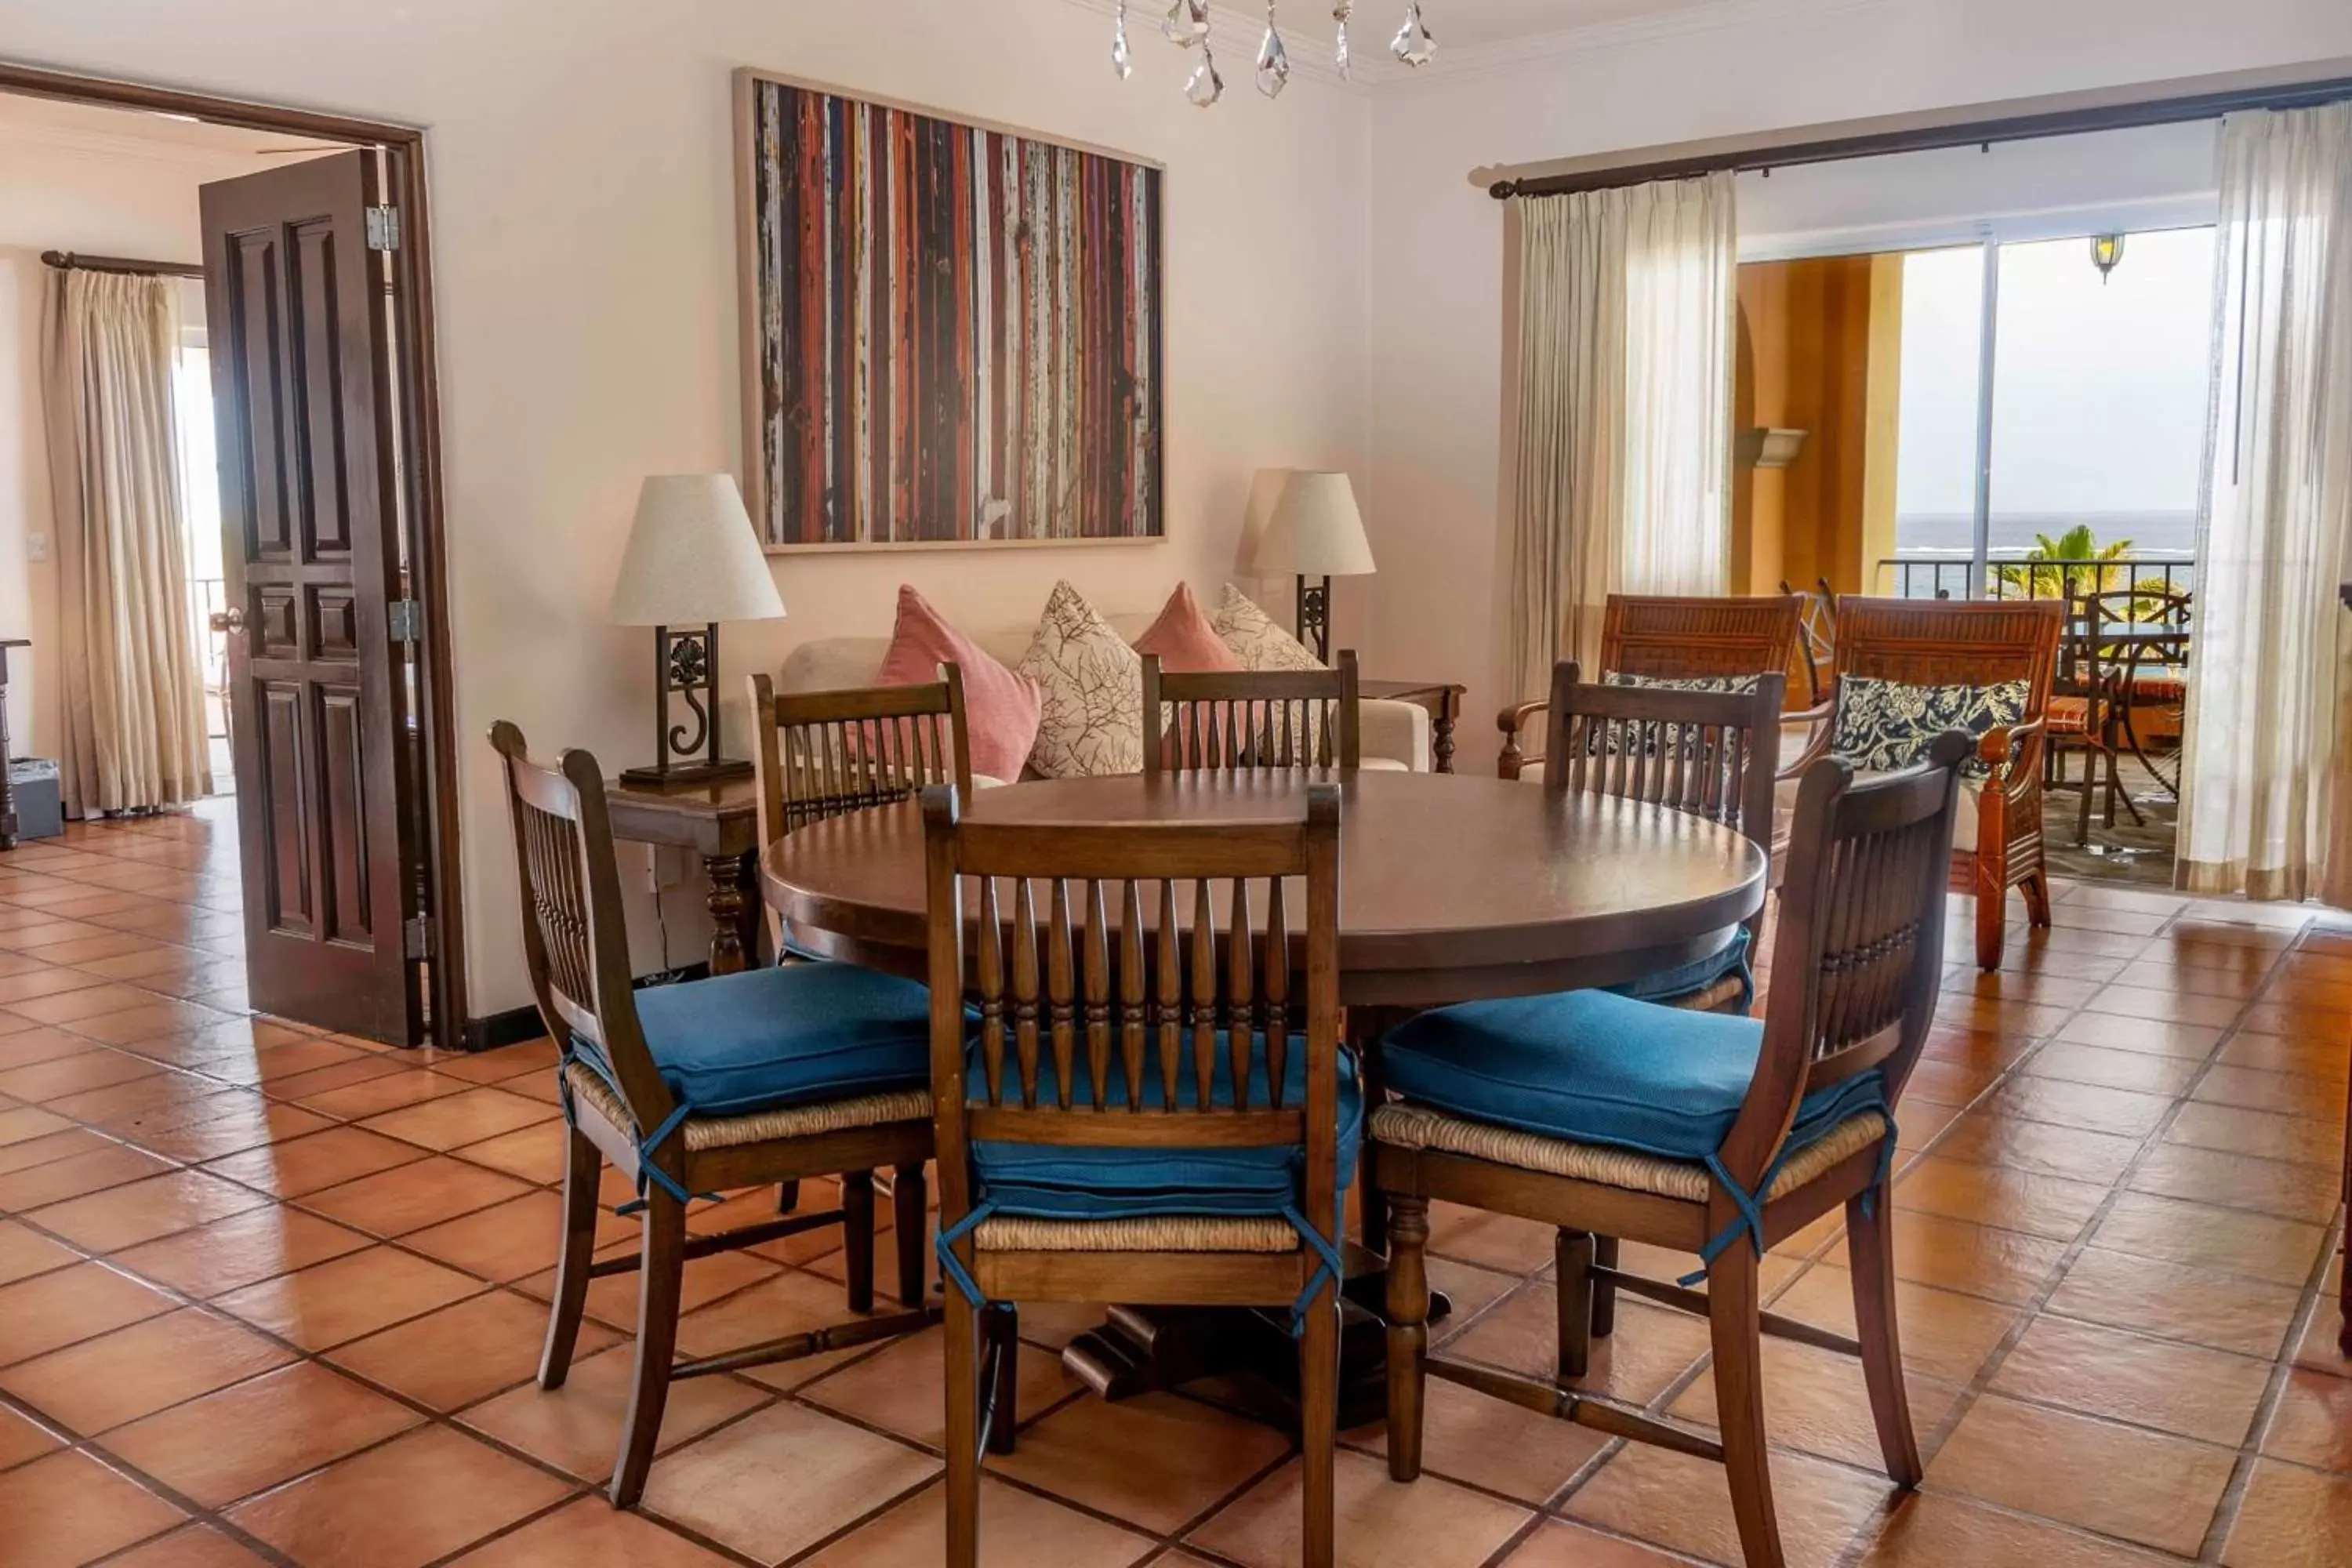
(416, 363)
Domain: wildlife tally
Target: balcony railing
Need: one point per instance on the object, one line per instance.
(2016, 577)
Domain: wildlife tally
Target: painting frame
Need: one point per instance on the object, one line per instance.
(1148, 426)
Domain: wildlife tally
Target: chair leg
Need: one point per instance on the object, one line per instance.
(963, 1432)
(1869, 1240)
(2082, 812)
(582, 1168)
(1371, 1204)
(1732, 1322)
(1408, 1314)
(788, 1196)
(1004, 1333)
(1318, 1427)
(2036, 889)
(1992, 913)
(661, 1274)
(858, 1237)
(1571, 1253)
(1604, 1294)
(910, 1218)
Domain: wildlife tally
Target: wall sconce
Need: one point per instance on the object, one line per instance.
(2106, 251)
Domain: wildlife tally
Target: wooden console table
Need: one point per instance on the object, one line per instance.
(718, 823)
(1443, 701)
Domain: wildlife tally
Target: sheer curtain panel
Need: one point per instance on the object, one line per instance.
(1622, 464)
(2264, 810)
(133, 692)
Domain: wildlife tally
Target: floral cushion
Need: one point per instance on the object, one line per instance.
(1255, 640)
(1741, 684)
(1887, 725)
(1092, 721)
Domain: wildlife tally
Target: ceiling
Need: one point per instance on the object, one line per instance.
(52, 116)
(1467, 23)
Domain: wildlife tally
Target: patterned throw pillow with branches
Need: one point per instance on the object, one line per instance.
(1883, 725)
(1092, 722)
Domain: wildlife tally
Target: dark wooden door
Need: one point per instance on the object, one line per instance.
(301, 387)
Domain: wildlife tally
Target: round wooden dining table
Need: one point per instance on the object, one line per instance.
(1451, 889)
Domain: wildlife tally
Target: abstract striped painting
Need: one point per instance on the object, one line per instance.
(956, 330)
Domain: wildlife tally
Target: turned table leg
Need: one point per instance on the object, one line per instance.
(727, 905)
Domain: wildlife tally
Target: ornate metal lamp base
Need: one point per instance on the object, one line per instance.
(686, 663)
(686, 776)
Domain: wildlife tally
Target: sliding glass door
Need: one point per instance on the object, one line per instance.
(2051, 409)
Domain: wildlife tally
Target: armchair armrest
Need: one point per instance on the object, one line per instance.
(1395, 731)
(1816, 746)
(2013, 753)
(1511, 721)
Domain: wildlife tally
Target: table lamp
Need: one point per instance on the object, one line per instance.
(692, 562)
(1315, 534)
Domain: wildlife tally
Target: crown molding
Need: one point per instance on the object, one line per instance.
(1380, 70)
(1312, 53)
(99, 144)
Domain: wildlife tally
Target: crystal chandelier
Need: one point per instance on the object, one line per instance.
(1187, 25)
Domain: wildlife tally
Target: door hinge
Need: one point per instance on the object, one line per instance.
(407, 618)
(384, 228)
(416, 937)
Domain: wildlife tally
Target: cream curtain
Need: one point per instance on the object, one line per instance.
(133, 720)
(1621, 475)
(2259, 812)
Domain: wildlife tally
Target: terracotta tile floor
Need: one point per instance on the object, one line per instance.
(272, 1295)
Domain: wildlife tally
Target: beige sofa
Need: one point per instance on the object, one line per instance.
(1395, 735)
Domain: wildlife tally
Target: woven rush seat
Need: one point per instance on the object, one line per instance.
(702, 1133)
(1406, 1126)
(1154, 1233)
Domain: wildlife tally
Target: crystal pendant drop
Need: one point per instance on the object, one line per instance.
(1122, 60)
(1187, 22)
(1206, 86)
(1273, 60)
(1413, 44)
(1340, 11)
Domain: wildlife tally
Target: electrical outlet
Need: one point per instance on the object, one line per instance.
(37, 546)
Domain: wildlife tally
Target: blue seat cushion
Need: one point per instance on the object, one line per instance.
(1667, 984)
(1057, 1182)
(739, 1043)
(1595, 1068)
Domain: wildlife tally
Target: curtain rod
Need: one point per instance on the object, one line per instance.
(1937, 138)
(67, 260)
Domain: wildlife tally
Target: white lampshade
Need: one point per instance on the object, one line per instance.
(692, 557)
(1315, 530)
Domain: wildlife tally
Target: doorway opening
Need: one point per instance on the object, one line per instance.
(298, 427)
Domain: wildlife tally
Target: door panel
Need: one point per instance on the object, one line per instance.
(302, 393)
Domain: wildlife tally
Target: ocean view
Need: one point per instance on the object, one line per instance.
(1949, 535)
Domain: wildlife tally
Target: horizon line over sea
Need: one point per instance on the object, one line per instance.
(1952, 535)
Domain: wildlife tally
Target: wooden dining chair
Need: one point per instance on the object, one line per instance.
(1711, 753)
(819, 755)
(1648, 638)
(1154, 1110)
(1595, 1114)
(740, 1080)
(1817, 637)
(1955, 647)
(1251, 718)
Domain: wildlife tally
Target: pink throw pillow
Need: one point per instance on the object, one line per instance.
(1183, 639)
(1001, 708)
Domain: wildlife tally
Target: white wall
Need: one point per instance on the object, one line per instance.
(2154, 176)
(580, 167)
(63, 190)
(1436, 244)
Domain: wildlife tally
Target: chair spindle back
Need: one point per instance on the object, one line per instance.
(575, 937)
(1251, 719)
(1859, 947)
(825, 754)
(1107, 962)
